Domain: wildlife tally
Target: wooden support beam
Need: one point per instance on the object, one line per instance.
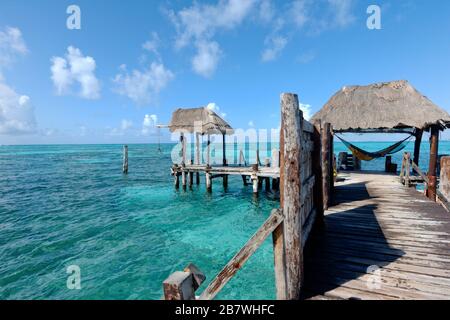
(197, 148)
(183, 177)
(267, 179)
(208, 151)
(125, 160)
(432, 172)
(183, 148)
(176, 176)
(418, 134)
(236, 263)
(326, 164)
(317, 172)
(208, 180)
(289, 257)
(255, 179)
(444, 184)
(191, 179)
(198, 156)
(224, 150)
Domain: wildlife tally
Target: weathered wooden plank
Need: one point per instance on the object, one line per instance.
(307, 227)
(307, 126)
(242, 256)
(376, 222)
(432, 173)
(290, 194)
(326, 164)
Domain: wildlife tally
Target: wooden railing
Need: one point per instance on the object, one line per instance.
(406, 178)
(304, 179)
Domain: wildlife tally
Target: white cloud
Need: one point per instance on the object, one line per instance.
(275, 45)
(143, 86)
(342, 12)
(11, 45)
(16, 112)
(319, 16)
(153, 44)
(306, 109)
(251, 124)
(300, 12)
(214, 107)
(198, 24)
(149, 124)
(75, 68)
(207, 58)
(306, 57)
(275, 42)
(266, 11)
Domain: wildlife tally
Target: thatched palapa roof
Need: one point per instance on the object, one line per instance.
(390, 105)
(201, 120)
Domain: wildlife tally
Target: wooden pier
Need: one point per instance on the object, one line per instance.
(365, 236)
(380, 240)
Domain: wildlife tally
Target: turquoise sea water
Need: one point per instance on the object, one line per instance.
(67, 205)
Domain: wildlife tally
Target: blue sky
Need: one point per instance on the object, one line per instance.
(134, 62)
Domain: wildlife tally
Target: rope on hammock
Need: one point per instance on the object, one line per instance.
(369, 156)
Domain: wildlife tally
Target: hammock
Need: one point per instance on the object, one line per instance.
(369, 156)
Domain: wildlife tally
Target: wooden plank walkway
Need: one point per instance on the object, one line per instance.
(377, 222)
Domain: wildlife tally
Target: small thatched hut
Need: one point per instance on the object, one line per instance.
(201, 121)
(387, 107)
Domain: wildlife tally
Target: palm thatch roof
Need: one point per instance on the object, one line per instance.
(201, 120)
(390, 105)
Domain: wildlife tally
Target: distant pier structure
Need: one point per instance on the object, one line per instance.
(202, 122)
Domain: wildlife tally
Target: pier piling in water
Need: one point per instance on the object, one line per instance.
(125, 159)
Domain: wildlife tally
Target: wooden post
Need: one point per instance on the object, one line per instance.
(208, 179)
(289, 252)
(225, 177)
(183, 148)
(224, 160)
(444, 183)
(191, 175)
(332, 165)
(326, 164)
(208, 150)
(267, 179)
(418, 134)
(224, 148)
(255, 179)
(181, 285)
(125, 160)
(407, 169)
(317, 171)
(176, 178)
(183, 176)
(434, 149)
(197, 152)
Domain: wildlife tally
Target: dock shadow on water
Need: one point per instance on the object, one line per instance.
(349, 247)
